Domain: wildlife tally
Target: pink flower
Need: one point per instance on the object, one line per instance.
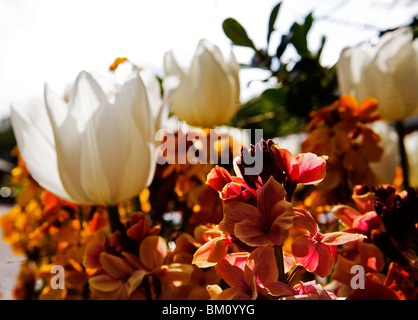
(310, 291)
(316, 251)
(306, 168)
(258, 275)
(229, 187)
(212, 252)
(265, 225)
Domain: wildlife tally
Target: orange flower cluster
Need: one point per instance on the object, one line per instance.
(49, 231)
(340, 131)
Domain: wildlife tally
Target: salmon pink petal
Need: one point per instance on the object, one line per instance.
(115, 266)
(211, 252)
(364, 199)
(338, 238)
(179, 273)
(311, 168)
(233, 275)
(237, 259)
(234, 192)
(252, 233)
(268, 195)
(218, 177)
(92, 256)
(152, 252)
(347, 214)
(236, 211)
(312, 291)
(314, 256)
(279, 230)
(304, 220)
(235, 293)
(285, 160)
(278, 289)
(104, 283)
(262, 264)
(134, 280)
(214, 290)
(367, 221)
(289, 261)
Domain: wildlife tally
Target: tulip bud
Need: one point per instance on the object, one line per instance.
(208, 91)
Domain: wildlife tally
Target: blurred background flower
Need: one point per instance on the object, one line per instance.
(209, 90)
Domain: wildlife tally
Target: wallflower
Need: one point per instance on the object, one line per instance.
(342, 132)
(310, 291)
(230, 188)
(260, 153)
(208, 91)
(306, 168)
(257, 276)
(266, 224)
(316, 251)
(91, 150)
(121, 275)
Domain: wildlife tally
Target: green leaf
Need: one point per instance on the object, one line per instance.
(236, 33)
(272, 21)
(299, 35)
(323, 40)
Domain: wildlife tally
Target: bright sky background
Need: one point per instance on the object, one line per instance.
(50, 41)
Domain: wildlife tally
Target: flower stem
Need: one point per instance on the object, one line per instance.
(113, 216)
(400, 129)
(278, 254)
(136, 204)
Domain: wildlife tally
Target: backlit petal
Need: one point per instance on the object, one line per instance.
(236, 211)
(115, 266)
(252, 233)
(267, 197)
(105, 283)
(311, 168)
(152, 252)
(233, 275)
(338, 238)
(304, 220)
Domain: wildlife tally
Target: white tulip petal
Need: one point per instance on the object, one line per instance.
(214, 87)
(171, 66)
(79, 163)
(153, 92)
(35, 139)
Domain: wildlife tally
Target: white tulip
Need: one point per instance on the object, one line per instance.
(95, 148)
(387, 71)
(208, 93)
